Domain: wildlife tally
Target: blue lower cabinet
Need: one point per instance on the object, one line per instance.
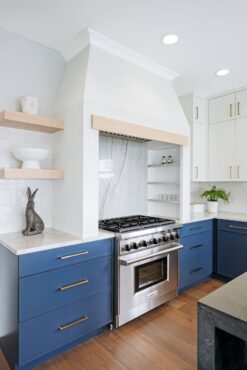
(50, 290)
(195, 259)
(231, 253)
(45, 333)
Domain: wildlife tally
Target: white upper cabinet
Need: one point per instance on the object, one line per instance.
(199, 110)
(222, 108)
(241, 104)
(195, 111)
(222, 151)
(241, 150)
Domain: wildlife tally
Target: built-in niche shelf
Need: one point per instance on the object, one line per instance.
(163, 183)
(31, 122)
(25, 173)
(163, 201)
(166, 165)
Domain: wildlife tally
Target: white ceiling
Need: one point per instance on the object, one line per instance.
(212, 33)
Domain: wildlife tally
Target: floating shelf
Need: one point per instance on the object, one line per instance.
(164, 165)
(25, 121)
(163, 201)
(25, 173)
(163, 183)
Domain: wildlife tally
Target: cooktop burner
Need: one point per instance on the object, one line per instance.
(130, 223)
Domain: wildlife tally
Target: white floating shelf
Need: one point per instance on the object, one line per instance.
(163, 201)
(31, 122)
(164, 165)
(24, 173)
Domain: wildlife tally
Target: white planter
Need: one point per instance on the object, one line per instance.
(213, 207)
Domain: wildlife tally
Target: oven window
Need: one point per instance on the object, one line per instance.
(150, 273)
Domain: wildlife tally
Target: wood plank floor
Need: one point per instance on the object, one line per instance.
(164, 338)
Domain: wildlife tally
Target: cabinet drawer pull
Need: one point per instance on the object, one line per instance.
(73, 255)
(230, 172)
(196, 228)
(196, 246)
(66, 287)
(64, 327)
(237, 227)
(197, 172)
(230, 110)
(238, 108)
(196, 270)
(197, 112)
(238, 172)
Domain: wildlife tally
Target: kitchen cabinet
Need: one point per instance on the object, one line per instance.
(241, 150)
(241, 103)
(196, 257)
(64, 296)
(222, 151)
(195, 111)
(222, 108)
(231, 248)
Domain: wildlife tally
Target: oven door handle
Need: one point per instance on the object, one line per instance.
(125, 262)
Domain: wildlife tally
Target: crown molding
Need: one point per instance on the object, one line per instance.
(90, 37)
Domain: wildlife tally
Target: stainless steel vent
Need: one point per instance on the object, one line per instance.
(123, 137)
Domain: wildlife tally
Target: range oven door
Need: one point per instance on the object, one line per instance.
(145, 281)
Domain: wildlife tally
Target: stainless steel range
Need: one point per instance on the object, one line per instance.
(146, 264)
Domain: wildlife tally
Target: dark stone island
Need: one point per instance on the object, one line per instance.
(222, 327)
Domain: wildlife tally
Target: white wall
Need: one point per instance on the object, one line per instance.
(26, 68)
(238, 198)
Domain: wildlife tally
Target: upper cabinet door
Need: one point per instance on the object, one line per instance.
(241, 104)
(199, 152)
(222, 108)
(222, 151)
(241, 149)
(199, 110)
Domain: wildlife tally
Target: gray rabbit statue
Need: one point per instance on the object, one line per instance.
(34, 223)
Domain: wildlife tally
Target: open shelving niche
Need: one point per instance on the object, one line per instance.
(30, 122)
(163, 179)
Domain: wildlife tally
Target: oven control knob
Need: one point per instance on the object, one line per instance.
(152, 241)
(133, 245)
(172, 236)
(142, 243)
(127, 247)
(160, 240)
(176, 235)
(166, 237)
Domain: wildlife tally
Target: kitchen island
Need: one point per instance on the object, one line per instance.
(222, 327)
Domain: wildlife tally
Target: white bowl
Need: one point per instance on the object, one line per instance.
(30, 157)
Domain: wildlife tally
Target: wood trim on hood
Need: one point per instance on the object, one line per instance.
(114, 126)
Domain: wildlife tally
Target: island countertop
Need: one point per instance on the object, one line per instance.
(51, 238)
(230, 299)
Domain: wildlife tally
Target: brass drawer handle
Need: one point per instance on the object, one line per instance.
(230, 110)
(237, 227)
(66, 287)
(238, 172)
(196, 270)
(238, 108)
(64, 327)
(73, 255)
(196, 246)
(197, 113)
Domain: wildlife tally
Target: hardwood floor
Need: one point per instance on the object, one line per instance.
(164, 338)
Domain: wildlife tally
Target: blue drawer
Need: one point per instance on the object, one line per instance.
(50, 290)
(196, 227)
(37, 262)
(43, 334)
(195, 259)
(233, 226)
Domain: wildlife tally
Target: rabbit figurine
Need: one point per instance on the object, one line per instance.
(34, 223)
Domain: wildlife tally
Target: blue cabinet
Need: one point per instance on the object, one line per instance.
(64, 295)
(231, 248)
(196, 257)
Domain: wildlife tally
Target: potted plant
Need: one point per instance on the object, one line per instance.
(213, 196)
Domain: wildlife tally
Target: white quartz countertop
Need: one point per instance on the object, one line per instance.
(49, 239)
(221, 215)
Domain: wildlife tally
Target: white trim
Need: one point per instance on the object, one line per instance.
(90, 37)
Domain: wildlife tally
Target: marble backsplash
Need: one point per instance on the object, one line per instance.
(122, 177)
(238, 198)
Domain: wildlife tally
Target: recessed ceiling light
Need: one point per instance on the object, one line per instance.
(222, 72)
(170, 39)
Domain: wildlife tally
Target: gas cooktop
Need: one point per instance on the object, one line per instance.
(131, 223)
